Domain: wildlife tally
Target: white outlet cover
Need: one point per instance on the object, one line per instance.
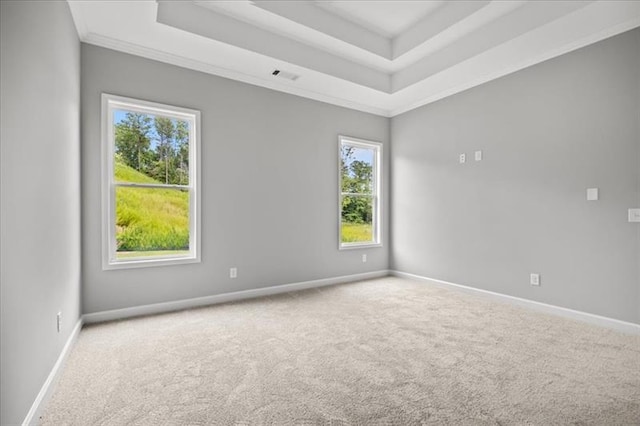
(535, 279)
(463, 158)
(364, 258)
(478, 155)
(592, 194)
(634, 215)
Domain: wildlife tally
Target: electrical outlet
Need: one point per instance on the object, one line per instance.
(59, 322)
(535, 279)
(233, 272)
(364, 258)
(463, 158)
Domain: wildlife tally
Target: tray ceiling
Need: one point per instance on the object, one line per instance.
(384, 57)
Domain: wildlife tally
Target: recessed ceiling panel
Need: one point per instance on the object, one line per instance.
(383, 57)
(192, 18)
(387, 18)
(307, 14)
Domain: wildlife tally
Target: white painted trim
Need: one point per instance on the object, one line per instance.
(33, 416)
(510, 68)
(45, 392)
(376, 196)
(570, 32)
(109, 104)
(323, 19)
(227, 29)
(622, 326)
(184, 62)
(177, 305)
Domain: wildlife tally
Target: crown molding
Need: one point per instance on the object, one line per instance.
(550, 33)
(181, 61)
(583, 41)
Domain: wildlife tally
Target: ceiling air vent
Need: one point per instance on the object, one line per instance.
(285, 74)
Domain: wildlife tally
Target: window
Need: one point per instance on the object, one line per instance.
(360, 186)
(150, 183)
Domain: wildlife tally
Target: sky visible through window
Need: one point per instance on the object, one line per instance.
(120, 114)
(361, 154)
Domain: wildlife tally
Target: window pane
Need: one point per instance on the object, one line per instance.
(357, 169)
(150, 148)
(151, 222)
(357, 219)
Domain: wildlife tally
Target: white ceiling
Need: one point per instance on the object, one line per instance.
(383, 57)
(387, 18)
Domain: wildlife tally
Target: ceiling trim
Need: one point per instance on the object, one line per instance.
(444, 17)
(501, 30)
(312, 16)
(377, 16)
(202, 21)
(133, 27)
(598, 15)
(246, 11)
(184, 62)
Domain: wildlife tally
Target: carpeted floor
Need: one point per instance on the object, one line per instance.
(388, 351)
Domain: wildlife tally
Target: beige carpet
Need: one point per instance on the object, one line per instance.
(382, 352)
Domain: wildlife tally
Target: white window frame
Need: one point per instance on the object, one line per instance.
(109, 104)
(376, 192)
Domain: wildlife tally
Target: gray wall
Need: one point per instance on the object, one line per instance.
(269, 184)
(548, 133)
(40, 195)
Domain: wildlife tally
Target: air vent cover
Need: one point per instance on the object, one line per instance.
(285, 74)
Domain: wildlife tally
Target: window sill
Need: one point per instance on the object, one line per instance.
(149, 263)
(354, 246)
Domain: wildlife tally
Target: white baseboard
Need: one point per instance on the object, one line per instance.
(177, 305)
(45, 392)
(33, 416)
(623, 326)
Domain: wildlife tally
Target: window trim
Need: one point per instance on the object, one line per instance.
(377, 192)
(109, 104)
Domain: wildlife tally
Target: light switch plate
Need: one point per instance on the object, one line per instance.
(592, 194)
(634, 215)
(478, 155)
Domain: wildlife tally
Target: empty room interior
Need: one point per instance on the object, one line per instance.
(261, 212)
